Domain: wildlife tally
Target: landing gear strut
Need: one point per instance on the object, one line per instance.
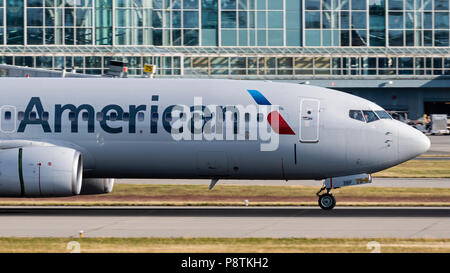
(326, 200)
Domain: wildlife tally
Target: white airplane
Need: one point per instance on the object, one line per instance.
(63, 137)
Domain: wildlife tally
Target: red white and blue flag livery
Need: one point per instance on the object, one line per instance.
(276, 121)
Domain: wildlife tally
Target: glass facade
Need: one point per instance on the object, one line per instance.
(55, 22)
(231, 38)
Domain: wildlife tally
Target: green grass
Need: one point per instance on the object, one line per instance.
(234, 195)
(418, 169)
(435, 155)
(210, 245)
(279, 191)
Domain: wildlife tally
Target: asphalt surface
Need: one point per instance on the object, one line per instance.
(440, 145)
(235, 222)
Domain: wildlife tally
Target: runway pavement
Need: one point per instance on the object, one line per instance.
(440, 145)
(239, 222)
(377, 182)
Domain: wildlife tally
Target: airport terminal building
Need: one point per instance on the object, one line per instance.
(393, 52)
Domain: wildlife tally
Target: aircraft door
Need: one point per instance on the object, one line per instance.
(309, 120)
(8, 119)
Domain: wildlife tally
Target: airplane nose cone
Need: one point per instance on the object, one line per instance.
(411, 142)
(426, 143)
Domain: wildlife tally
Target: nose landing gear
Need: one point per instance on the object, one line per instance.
(326, 200)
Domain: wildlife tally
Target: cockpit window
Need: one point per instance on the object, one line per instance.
(357, 114)
(370, 116)
(383, 115)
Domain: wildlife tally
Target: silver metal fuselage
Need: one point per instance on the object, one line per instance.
(344, 146)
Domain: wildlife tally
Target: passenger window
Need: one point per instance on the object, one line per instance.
(7, 115)
(155, 117)
(357, 114)
(33, 116)
(140, 116)
(260, 117)
(99, 116)
(168, 117)
(20, 115)
(72, 116)
(45, 116)
(113, 116)
(383, 115)
(85, 116)
(370, 116)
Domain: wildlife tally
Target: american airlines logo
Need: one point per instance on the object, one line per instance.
(274, 118)
(197, 122)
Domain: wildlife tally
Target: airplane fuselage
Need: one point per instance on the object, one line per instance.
(170, 128)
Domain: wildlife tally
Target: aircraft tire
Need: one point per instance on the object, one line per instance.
(327, 201)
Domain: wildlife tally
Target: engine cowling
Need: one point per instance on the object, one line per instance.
(97, 185)
(49, 171)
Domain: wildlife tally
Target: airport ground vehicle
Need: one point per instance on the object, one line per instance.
(400, 116)
(439, 124)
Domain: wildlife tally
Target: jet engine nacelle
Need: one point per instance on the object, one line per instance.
(350, 180)
(40, 172)
(97, 185)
